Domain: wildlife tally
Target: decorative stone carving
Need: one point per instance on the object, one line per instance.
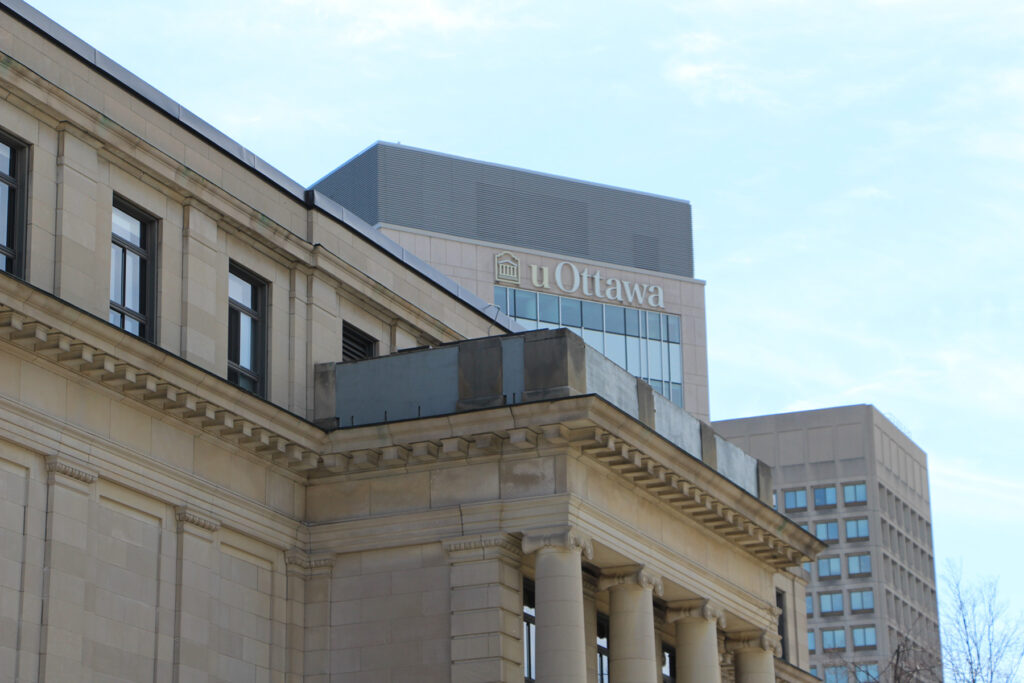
(631, 575)
(753, 640)
(696, 609)
(566, 538)
(62, 465)
(186, 515)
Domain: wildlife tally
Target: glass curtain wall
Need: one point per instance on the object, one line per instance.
(645, 343)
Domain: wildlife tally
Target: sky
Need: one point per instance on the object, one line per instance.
(856, 171)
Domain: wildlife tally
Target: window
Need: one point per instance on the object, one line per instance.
(831, 603)
(13, 172)
(862, 600)
(825, 496)
(836, 674)
(833, 639)
(356, 344)
(856, 529)
(780, 603)
(795, 500)
(827, 531)
(529, 632)
(867, 673)
(668, 663)
(858, 565)
(814, 670)
(811, 645)
(602, 648)
(810, 604)
(855, 494)
(131, 270)
(829, 567)
(806, 566)
(246, 329)
(864, 637)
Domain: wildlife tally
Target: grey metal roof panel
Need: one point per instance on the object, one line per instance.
(477, 200)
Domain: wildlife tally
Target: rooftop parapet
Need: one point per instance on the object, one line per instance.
(519, 368)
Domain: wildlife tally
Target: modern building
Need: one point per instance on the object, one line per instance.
(613, 265)
(245, 436)
(858, 482)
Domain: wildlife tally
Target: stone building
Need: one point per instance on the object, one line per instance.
(246, 437)
(857, 481)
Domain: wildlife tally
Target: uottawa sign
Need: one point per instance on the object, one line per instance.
(572, 279)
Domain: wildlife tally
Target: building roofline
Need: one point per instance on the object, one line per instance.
(310, 199)
(491, 164)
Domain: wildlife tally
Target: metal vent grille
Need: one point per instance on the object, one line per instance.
(356, 344)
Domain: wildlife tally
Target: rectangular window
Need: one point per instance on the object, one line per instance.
(602, 648)
(795, 500)
(668, 663)
(356, 344)
(833, 639)
(13, 174)
(829, 567)
(827, 531)
(246, 329)
(858, 565)
(810, 604)
(529, 632)
(862, 600)
(811, 645)
(867, 673)
(131, 270)
(855, 494)
(856, 529)
(825, 496)
(780, 603)
(831, 603)
(836, 674)
(864, 637)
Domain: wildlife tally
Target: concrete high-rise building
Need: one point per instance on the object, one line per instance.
(245, 436)
(858, 482)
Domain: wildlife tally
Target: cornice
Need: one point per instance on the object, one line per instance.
(58, 464)
(187, 515)
(158, 389)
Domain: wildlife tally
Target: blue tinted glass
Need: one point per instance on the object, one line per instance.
(633, 322)
(615, 348)
(548, 308)
(593, 315)
(615, 319)
(501, 298)
(653, 325)
(673, 328)
(633, 355)
(675, 363)
(6, 157)
(594, 338)
(572, 315)
(526, 304)
(677, 394)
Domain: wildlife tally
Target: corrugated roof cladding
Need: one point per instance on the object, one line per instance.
(415, 188)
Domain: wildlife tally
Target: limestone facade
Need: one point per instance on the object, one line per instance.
(161, 523)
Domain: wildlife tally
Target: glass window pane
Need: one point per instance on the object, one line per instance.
(654, 359)
(245, 341)
(633, 322)
(6, 158)
(675, 363)
(116, 274)
(127, 228)
(132, 281)
(653, 325)
(594, 338)
(677, 394)
(131, 325)
(500, 298)
(673, 328)
(615, 319)
(240, 290)
(615, 348)
(5, 213)
(548, 308)
(593, 315)
(526, 304)
(115, 318)
(657, 386)
(527, 323)
(3, 263)
(572, 315)
(633, 355)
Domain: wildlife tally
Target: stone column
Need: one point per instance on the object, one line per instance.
(753, 655)
(561, 643)
(631, 639)
(590, 624)
(697, 623)
(486, 584)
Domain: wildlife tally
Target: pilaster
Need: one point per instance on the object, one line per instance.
(308, 625)
(195, 608)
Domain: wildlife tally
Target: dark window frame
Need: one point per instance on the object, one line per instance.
(17, 213)
(529, 632)
(668, 660)
(603, 660)
(257, 373)
(355, 344)
(824, 490)
(146, 251)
